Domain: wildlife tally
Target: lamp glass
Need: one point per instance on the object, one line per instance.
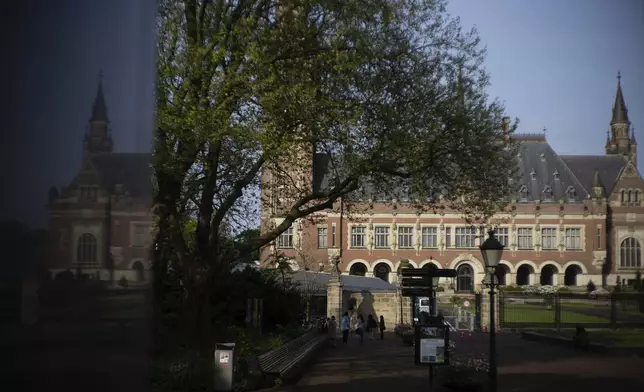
(491, 251)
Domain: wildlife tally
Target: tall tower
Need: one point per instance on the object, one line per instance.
(98, 138)
(621, 140)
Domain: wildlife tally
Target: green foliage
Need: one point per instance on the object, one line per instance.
(244, 87)
(510, 288)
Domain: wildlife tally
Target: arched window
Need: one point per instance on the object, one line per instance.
(464, 278)
(637, 196)
(630, 196)
(623, 196)
(358, 269)
(630, 253)
(382, 271)
(86, 249)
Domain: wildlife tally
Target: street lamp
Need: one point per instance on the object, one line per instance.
(491, 251)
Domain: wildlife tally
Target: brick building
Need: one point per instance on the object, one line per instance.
(573, 219)
(100, 224)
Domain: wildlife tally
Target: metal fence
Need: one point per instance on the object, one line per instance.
(568, 310)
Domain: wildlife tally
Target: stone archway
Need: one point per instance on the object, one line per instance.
(140, 271)
(524, 275)
(502, 272)
(571, 275)
(548, 275)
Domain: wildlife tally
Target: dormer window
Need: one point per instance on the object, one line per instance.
(637, 197)
(543, 157)
(88, 193)
(623, 196)
(533, 174)
(547, 194)
(556, 175)
(523, 193)
(571, 193)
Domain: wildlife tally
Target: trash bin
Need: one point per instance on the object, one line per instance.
(224, 366)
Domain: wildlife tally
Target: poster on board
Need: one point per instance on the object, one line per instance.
(432, 351)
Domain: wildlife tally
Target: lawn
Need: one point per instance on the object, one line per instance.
(534, 314)
(620, 338)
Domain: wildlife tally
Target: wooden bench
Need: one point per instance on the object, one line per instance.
(286, 361)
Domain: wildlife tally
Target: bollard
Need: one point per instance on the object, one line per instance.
(224, 366)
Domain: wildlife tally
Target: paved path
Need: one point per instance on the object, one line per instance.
(523, 366)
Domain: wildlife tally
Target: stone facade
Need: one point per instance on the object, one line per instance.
(385, 304)
(99, 224)
(573, 219)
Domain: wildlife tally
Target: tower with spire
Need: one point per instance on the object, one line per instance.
(621, 138)
(98, 138)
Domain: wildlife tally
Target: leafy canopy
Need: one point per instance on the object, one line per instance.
(387, 94)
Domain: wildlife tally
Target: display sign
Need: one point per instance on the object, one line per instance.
(224, 358)
(432, 344)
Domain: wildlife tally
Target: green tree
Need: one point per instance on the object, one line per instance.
(391, 92)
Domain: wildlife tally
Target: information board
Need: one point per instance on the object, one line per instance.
(432, 344)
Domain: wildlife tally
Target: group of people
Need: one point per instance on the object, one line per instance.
(361, 328)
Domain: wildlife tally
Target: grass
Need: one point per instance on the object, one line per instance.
(619, 338)
(536, 314)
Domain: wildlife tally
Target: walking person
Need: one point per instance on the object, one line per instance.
(332, 331)
(372, 326)
(345, 325)
(382, 327)
(360, 328)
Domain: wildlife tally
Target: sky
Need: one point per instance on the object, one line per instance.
(553, 63)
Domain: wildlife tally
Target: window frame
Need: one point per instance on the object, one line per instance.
(409, 234)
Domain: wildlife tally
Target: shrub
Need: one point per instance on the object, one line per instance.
(511, 288)
(123, 282)
(465, 372)
(590, 287)
(599, 293)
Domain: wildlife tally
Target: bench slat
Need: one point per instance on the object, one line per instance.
(285, 358)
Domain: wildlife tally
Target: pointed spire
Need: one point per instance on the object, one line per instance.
(633, 141)
(99, 110)
(597, 182)
(607, 138)
(620, 113)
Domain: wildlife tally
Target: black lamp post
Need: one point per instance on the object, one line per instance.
(491, 250)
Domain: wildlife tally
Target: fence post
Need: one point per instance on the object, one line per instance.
(478, 310)
(557, 305)
(613, 312)
(501, 298)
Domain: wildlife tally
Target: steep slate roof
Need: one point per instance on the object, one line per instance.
(540, 158)
(584, 166)
(535, 155)
(132, 170)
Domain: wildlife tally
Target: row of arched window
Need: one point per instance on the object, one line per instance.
(630, 196)
(630, 257)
